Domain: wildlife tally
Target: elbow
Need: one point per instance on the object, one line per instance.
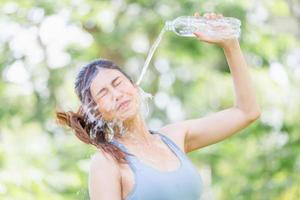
(253, 116)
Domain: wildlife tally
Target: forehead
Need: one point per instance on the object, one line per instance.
(105, 76)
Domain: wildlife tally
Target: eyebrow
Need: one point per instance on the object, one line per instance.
(112, 82)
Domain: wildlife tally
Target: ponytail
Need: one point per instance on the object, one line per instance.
(77, 123)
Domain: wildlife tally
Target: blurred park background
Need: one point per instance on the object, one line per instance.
(43, 43)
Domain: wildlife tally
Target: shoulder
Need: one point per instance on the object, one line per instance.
(175, 132)
(104, 177)
(103, 161)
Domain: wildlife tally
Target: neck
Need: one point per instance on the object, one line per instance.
(137, 128)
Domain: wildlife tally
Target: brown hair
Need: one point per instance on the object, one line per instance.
(82, 127)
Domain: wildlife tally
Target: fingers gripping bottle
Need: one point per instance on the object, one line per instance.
(225, 27)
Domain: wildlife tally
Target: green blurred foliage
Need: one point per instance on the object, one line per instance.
(43, 44)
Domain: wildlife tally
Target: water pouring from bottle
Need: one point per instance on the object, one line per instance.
(219, 28)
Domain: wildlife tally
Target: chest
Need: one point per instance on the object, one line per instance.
(154, 183)
(164, 160)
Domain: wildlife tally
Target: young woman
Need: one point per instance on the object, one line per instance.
(135, 163)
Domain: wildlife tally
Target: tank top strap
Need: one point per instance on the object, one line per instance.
(171, 144)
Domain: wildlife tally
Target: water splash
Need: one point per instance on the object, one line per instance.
(90, 108)
(94, 117)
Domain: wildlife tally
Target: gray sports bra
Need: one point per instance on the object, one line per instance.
(184, 183)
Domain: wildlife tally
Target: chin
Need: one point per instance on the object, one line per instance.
(128, 114)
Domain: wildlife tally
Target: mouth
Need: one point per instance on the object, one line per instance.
(123, 104)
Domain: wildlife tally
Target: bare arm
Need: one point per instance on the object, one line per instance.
(245, 98)
(215, 127)
(104, 179)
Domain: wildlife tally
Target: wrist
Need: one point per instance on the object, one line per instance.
(230, 44)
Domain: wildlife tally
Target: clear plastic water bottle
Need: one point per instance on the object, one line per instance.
(225, 27)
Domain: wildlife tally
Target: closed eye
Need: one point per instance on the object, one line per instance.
(104, 90)
(102, 93)
(118, 83)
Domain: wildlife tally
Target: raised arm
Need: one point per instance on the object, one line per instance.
(201, 132)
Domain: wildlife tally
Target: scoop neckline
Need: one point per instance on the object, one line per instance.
(161, 137)
(164, 171)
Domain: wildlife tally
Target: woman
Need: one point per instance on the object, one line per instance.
(138, 163)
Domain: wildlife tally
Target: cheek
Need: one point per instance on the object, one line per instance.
(104, 105)
(107, 105)
(129, 88)
(105, 111)
(125, 88)
(128, 91)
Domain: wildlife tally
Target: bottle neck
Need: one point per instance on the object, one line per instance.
(169, 25)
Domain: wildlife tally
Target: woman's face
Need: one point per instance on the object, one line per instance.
(110, 88)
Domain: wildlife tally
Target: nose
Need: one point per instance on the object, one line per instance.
(116, 94)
